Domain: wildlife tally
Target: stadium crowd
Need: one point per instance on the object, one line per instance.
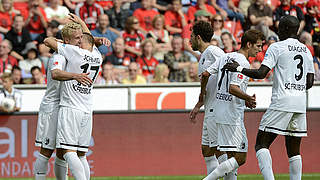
(150, 38)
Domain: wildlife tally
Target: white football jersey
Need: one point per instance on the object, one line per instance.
(208, 57)
(229, 109)
(291, 61)
(51, 97)
(74, 94)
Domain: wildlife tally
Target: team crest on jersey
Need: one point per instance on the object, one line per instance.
(240, 76)
(46, 141)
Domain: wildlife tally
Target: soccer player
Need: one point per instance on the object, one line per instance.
(286, 115)
(75, 113)
(230, 103)
(200, 40)
(48, 112)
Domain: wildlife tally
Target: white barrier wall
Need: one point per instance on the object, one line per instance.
(154, 97)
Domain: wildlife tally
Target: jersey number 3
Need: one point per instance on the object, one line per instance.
(299, 66)
(85, 68)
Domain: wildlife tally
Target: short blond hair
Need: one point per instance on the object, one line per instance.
(6, 76)
(69, 29)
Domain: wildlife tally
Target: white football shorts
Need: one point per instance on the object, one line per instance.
(232, 138)
(74, 129)
(212, 131)
(284, 123)
(47, 126)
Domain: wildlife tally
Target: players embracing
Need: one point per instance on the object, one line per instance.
(76, 64)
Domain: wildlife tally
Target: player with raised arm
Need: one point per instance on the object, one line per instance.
(230, 103)
(200, 40)
(48, 112)
(286, 115)
(75, 113)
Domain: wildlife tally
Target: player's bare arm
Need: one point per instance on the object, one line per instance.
(310, 80)
(52, 43)
(236, 91)
(260, 73)
(78, 20)
(60, 75)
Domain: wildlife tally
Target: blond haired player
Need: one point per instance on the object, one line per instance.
(75, 112)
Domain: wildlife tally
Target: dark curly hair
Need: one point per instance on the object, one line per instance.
(203, 29)
(251, 36)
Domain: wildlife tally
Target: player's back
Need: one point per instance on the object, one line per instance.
(292, 61)
(209, 56)
(51, 97)
(229, 109)
(74, 94)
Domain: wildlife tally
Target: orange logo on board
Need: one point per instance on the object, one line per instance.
(158, 100)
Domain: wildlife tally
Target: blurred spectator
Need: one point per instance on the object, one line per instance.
(161, 37)
(107, 75)
(217, 23)
(37, 76)
(18, 36)
(7, 13)
(177, 61)
(72, 4)
(287, 9)
(132, 37)
(118, 15)
(6, 60)
(103, 30)
(161, 5)
(228, 7)
(145, 15)
(57, 12)
(175, 20)
(192, 75)
(161, 74)
(44, 52)
(36, 19)
(146, 61)
(105, 4)
(260, 17)
(306, 39)
(311, 18)
(118, 57)
(30, 61)
(215, 42)
(229, 45)
(10, 92)
(17, 75)
(89, 11)
(201, 5)
(200, 15)
(134, 76)
(243, 6)
(256, 65)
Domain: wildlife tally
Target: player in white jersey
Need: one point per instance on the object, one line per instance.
(229, 104)
(209, 54)
(286, 115)
(48, 112)
(75, 113)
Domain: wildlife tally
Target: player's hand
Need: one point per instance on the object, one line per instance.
(105, 41)
(84, 79)
(193, 114)
(231, 66)
(251, 103)
(74, 18)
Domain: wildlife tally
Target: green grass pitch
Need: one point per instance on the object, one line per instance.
(315, 176)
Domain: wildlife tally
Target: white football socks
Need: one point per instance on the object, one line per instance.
(223, 169)
(60, 169)
(265, 163)
(295, 167)
(85, 165)
(41, 167)
(232, 175)
(75, 165)
(211, 163)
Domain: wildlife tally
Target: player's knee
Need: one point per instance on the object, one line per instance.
(80, 153)
(257, 147)
(207, 151)
(241, 158)
(292, 153)
(46, 152)
(60, 153)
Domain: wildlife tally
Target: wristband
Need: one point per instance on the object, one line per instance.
(239, 68)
